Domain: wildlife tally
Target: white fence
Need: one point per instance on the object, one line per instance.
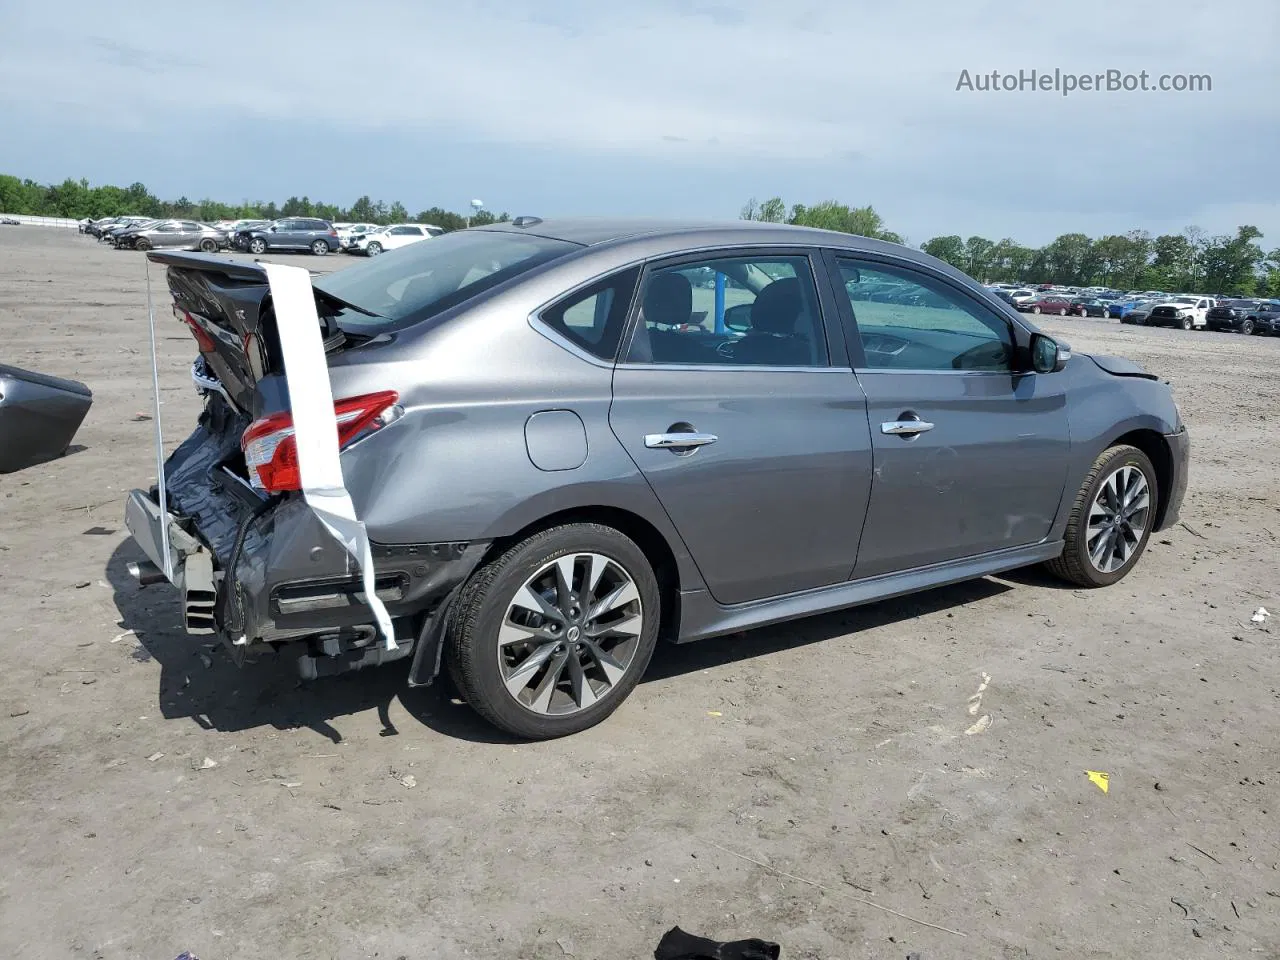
(42, 221)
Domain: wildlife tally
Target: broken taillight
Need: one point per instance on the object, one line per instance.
(271, 451)
(203, 339)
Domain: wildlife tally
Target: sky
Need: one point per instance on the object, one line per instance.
(661, 107)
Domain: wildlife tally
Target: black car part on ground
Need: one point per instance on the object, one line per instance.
(39, 416)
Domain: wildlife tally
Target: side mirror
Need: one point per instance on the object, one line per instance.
(1047, 355)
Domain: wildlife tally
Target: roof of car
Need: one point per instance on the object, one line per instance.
(593, 230)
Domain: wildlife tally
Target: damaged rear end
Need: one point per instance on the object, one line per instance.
(230, 526)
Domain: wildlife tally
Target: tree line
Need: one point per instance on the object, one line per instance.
(1233, 264)
(1190, 260)
(76, 199)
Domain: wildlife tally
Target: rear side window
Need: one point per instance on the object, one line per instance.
(593, 318)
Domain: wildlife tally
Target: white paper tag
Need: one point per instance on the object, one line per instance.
(315, 425)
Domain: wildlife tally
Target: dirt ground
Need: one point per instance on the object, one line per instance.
(903, 778)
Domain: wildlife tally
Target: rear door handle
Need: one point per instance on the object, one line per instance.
(905, 428)
(667, 441)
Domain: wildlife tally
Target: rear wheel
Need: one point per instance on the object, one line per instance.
(257, 245)
(1110, 520)
(319, 248)
(550, 638)
(209, 245)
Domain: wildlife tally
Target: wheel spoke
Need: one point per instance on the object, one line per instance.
(519, 678)
(611, 668)
(580, 683)
(564, 582)
(591, 579)
(622, 595)
(541, 701)
(510, 633)
(628, 626)
(533, 601)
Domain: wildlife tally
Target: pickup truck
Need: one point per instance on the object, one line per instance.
(1185, 312)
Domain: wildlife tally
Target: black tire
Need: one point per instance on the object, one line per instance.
(1187, 323)
(1247, 327)
(373, 249)
(1074, 564)
(257, 245)
(1035, 309)
(319, 248)
(142, 243)
(1062, 312)
(209, 245)
(471, 635)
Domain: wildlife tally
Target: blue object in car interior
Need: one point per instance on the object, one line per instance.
(719, 302)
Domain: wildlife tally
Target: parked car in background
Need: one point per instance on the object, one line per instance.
(349, 233)
(395, 236)
(1189, 313)
(172, 234)
(1240, 316)
(1266, 318)
(1046, 303)
(289, 233)
(1136, 315)
(538, 437)
(1022, 295)
(1089, 307)
(101, 227)
(111, 235)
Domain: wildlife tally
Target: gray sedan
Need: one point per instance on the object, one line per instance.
(568, 440)
(171, 234)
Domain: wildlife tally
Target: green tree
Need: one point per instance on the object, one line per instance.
(397, 213)
(1069, 258)
(949, 249)
(977, 256)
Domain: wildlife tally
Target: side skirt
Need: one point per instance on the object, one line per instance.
(702, 617)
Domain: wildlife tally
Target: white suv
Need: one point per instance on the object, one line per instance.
(396, 235)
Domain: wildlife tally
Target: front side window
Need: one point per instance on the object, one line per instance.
(770, 314)
(405, 231)
(908, 320)
(593, 318)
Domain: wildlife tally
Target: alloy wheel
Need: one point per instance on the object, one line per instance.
(570, 634)
(1118, 519)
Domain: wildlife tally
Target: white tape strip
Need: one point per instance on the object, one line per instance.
(315, 424)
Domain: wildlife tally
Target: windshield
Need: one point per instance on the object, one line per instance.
(1183, 300)
(420, 280)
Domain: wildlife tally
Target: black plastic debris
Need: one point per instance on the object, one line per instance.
(39, 416)
(678, 945)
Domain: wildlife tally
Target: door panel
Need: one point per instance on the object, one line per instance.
(971, 455)
(775, 503)
(989, 474)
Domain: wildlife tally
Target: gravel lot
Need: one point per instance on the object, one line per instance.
(828, 784)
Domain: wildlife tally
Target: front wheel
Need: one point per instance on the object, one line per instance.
(257, 245)
(1110, 521)
(1062, 312)
(1247, 327)
(142, 243)
(373, 249)
(1035, 309)
(1186, 323)
(551, 637)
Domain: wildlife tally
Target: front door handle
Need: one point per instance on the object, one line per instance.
(905, 428)
(668, 441)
